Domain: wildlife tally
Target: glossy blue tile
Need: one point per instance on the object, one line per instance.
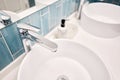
(5, 57)
(77, 3)
(18, 53)
(44, 21)
(55, 13)
(52, 15)
(35, 20)
(64, 9)
(12, 38)
(24, 20)
(58, 12)
(44, 10)
(73, 5)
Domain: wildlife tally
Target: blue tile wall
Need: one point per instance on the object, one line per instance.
(58, 12)
(35, 20)
(24, 20)
(77, 3)
(55, 14)
(5, 55)
(13, 40)
(64, 9)
(67, 7)
(45, 19)
(53, 22)
(72, 7)
(11, 45)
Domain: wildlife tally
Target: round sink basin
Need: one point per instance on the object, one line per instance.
(101, 19)
(71, 61)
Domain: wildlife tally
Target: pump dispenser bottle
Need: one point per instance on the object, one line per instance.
(62, 29)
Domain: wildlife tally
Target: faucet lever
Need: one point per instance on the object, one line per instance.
(5, 18)
(31, 31)
(44, 42)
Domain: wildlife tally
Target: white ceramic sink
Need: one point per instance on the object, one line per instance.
(70, 32)
(72, 61)
(101, 19)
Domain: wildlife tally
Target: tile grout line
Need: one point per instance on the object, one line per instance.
(18, 51)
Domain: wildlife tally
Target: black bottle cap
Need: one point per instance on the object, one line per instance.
(63, 23)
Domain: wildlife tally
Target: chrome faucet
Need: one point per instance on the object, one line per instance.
(79, 12)
(5, 18)
(31, 33)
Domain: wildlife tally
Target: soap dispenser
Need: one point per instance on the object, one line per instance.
(62, 29)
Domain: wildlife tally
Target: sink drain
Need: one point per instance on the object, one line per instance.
(62, 77)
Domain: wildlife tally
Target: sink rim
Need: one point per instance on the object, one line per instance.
(23, 62)
(85, 11)
(101, 25)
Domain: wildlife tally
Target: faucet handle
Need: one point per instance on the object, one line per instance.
(5, 18)
(44, 42)
(29, 30)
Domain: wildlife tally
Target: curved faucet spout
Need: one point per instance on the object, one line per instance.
(82, 3)
(33, 32)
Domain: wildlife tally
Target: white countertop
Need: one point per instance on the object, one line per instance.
(107, 49)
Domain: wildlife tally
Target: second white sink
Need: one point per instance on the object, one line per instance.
(101, 19)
